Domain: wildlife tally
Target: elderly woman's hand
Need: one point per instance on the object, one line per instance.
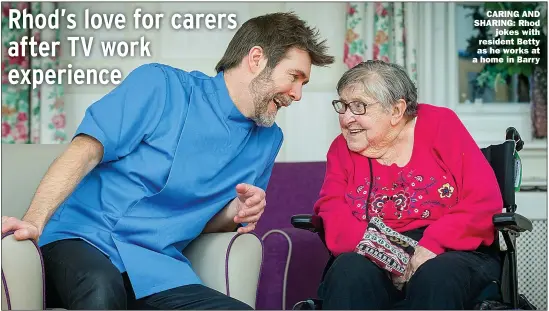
(398, 281)
(421, 255)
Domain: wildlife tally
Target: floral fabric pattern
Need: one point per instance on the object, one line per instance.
(354, 47)
(446, 191)
(408, 194)
(378, 31)
(30, 115)
(15, 98)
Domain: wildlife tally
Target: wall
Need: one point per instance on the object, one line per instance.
(201, 50)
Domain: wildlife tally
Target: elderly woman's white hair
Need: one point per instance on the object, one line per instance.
(383, 82)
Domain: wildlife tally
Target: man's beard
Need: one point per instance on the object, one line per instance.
(262, 91)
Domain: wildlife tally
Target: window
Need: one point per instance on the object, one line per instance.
(476, 86)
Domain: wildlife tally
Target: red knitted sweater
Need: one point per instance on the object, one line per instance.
(447, 186)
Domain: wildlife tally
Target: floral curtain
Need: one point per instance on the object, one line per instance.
(30, 116)
(378, 31)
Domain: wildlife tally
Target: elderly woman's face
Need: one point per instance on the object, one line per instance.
(363, 131)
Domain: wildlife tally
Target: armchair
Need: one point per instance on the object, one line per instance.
(227, 262)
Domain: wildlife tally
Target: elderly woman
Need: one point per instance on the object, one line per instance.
(415, 168)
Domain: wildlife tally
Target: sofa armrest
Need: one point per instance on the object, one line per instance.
(22, 275)
(228, 262)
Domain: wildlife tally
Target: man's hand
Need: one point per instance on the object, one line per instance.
(23, 230)
(250, 204)
(421, 255)
(64, 174)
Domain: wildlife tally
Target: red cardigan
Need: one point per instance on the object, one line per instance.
(447, 186)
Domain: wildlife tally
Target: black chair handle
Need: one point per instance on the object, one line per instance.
(512, 134)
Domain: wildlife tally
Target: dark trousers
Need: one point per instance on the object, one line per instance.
(78, 276)
(450, 281)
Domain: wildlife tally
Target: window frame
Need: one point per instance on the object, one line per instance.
(496, 107)
(510, 109)
(508, 114)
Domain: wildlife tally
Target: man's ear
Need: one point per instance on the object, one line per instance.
(399, 108)
(256, 60)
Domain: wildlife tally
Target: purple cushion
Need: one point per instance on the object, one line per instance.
(293, 189)
(290, 276)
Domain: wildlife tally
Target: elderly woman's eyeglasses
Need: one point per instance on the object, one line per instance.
(357, 108)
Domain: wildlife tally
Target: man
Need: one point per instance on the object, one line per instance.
(166, 156)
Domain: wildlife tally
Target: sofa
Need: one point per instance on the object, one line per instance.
(227, 262)
(294, 259)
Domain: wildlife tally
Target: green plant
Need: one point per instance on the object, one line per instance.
(493, 73)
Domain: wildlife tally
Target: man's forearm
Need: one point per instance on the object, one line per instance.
(224, 220)
(61, 179)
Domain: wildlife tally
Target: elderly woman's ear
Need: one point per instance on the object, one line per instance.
(398, 112)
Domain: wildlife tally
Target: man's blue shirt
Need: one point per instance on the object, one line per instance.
(175, 147)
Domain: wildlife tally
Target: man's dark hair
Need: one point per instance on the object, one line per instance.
(276, 33)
